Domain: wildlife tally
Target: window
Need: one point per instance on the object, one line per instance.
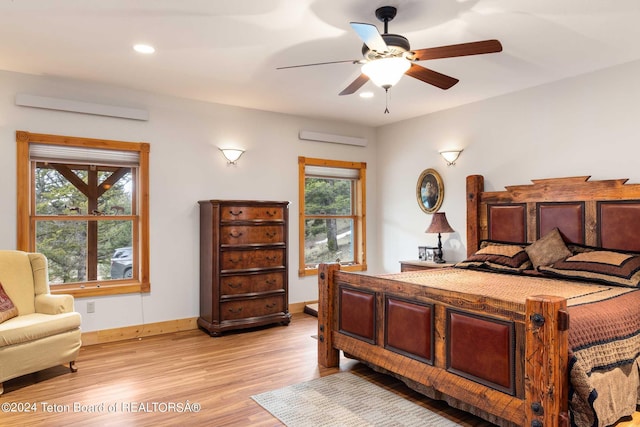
(332, 214)
(84, 204)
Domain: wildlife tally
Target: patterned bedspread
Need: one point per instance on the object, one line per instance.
(604, 343)
(604, 334)
(509, 287)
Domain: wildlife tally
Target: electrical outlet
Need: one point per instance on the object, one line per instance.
(91, 307)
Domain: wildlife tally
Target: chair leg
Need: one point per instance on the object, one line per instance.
(72, 366)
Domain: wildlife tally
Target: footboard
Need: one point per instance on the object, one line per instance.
(507, 361)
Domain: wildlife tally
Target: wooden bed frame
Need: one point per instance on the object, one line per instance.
(377, 320)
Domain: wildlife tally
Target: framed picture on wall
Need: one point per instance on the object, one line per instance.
(430, 191)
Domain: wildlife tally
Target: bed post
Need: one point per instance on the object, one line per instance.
(546, 370)
(327, 355)
(475, 186)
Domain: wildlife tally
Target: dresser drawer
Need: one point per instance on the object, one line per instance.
(252, 259)
(241, 309)
(265, 282)
(248, 213)
(248, 234)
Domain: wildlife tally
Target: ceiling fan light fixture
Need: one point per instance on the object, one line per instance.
(386, 72)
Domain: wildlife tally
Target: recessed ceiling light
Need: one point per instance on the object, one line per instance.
(366, 95)
(144, 48)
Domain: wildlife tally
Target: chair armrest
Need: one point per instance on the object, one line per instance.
(54, 304)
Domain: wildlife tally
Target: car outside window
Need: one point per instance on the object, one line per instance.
(122, 264)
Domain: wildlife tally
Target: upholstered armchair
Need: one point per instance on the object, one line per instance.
(38, 330)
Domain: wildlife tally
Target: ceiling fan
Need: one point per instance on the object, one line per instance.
(387, 57)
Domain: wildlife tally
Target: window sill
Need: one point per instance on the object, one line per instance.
(314, 271)
(102, 289)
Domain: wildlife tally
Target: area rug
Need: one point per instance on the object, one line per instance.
(344, 399)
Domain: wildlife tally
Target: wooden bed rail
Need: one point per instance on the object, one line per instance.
(545, 376)
(546, 362)
(328, 356)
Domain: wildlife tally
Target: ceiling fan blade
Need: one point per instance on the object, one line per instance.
(370, 36)
(432, 77)
(355, 85)
(462, 49)
(353, 61)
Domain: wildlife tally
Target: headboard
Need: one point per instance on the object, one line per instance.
(594, 213)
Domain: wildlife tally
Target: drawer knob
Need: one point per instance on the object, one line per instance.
(270, 305)
(235, 233)
(272, 213)
(235, 213)
(236, 311)
(235, 260)
(234, 285)
(270, 281)
(271, 234)
(271, 258)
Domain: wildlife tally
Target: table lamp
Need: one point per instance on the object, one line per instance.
(439, 224)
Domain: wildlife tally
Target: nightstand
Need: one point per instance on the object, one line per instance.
(422, 265)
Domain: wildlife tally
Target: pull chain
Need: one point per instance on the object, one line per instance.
(386, 105)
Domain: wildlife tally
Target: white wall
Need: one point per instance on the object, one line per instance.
(587, 125)
(581, 126)
(185, 166)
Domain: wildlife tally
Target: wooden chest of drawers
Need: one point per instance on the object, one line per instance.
(243, 264)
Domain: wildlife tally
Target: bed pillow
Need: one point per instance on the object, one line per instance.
(548, 249)
(501, 257)
(608, 267)
(577, 248)
(7, 309)
(486, 242)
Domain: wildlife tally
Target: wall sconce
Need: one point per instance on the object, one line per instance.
(451, 156)
(231, 154)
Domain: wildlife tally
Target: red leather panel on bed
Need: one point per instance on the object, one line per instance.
(508, 223)
(357, 313)
(619, 227)
(416, 341)
(481, 349)
(567, 217)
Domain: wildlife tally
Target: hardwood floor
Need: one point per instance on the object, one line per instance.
(139, 379)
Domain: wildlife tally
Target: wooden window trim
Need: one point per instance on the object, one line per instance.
(26, 231)
(359, 210)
